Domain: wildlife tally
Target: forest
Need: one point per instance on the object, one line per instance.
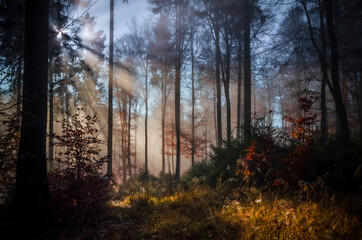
(204, 119)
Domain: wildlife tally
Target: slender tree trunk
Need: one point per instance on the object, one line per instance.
(18, 86)
(31, 197)
(322, 55)
(239, 87)
(169, 164)
(67, 104)
(124, 126)
(247, 73)
(110, 91)
(163, 93)
(324, 126)
(129, 136)
(135, 149)
(215, 115)
(359, 104)
(178, 92)
(205, 142)
(218, 89)
(122, 137)
(227, 88)
(124, 152)
(146, 120)
(51, 114)
(173, 145)
(193, 101)
(343, 130)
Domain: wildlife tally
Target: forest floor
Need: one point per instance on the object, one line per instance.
(202, 214)
(221, 214)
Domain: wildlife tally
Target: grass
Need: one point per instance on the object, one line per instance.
(203, 213)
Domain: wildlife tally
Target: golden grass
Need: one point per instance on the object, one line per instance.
(287, 219)
(201, 214)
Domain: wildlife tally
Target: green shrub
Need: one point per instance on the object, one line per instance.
(199, 173)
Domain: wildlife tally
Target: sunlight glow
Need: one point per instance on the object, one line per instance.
(123, 80)
(86, 34)
(59, 34)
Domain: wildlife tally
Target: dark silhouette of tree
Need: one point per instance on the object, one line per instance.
(110, 91)
(193, 99)
(239, 59)
(31, 197)
(247, 69)
(343, 128)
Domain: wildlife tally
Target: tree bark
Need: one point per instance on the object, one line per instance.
(324, 126)
(215, 114)
(322, 56)
(31, 197)
(359, 105)
(129, 136)
(227, 87)
(163, 92)
(18, 86)
(178, 91)
(343, 134)
(193, 102)
(146, 120)
(239, 87)
(218, 88)
(110, 91)
(247, 73)
(135, 149)
(51, 115)
(124, 137)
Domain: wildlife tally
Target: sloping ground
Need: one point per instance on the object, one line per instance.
(202, 214)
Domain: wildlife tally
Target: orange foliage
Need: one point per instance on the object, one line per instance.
(305, 127)
(266, 160)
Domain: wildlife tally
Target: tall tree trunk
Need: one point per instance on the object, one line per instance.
(110, 91)
(218, 88)
(51, 114)
(324, 126)
(122, 136)
(169, 164)
(146, 120)
(343, 130)
(173, 146)
(124, 127)
(322, 56)
(19, 78)
(129, 136)
(31, 197)
(359, 104)
(240, 49)
(205, 142)
(67, 103)
(215, 115)
(247, 73)
(163, 93)
(193, 101)
(227, 87)
(178, 91)
(135, 149)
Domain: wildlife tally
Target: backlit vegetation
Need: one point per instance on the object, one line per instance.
(204, 213)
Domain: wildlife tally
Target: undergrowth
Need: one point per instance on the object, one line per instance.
(206, 213)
